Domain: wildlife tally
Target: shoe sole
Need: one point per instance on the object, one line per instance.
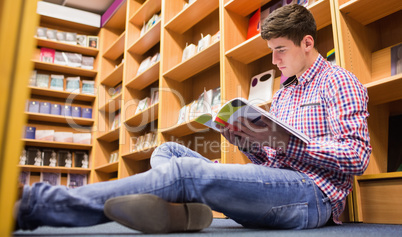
(151, 214)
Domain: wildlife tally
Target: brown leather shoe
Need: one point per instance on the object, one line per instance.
(151, 214)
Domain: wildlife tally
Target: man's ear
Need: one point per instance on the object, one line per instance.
(308, 42)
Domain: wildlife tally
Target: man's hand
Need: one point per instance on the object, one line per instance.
(264, 134)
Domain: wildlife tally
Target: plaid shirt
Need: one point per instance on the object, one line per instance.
(329, 105)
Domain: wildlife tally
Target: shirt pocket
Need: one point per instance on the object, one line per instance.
(311, 119)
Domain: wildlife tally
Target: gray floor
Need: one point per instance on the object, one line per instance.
(225, 227)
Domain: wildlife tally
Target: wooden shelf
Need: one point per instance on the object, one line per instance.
(146, 78)
(62, 145)
(118, 20)
(116, 49)
(143, 118)
(185, 129)
(65, 47)
(60, 119)
(112, 105)
(191, 15)
(64, 69)
(244, 7)
(110, 136)
(57, 169)
(321, 11)
(108, 168)
(61, 94)
(147, 41)
(368, 11)
(140, 155)
(246, 53)
(196, 64)
(391, 175)
(145, 12)
(385, 90)
(114, 77)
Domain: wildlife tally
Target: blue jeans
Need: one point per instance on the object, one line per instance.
(252, 195)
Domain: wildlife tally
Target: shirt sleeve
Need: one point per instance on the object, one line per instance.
(349, 149)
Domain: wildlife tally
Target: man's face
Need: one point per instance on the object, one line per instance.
(288, 57)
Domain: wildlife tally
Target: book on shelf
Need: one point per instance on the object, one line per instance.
(44, 107)
(88, 87)
(115, 91)
(114, 156)
(155, 97)
(71, 38)
(24, 177)
(73, 84)
(44, 135)
(42, 80)
(76, 111)
(66, 110)
(76, 180)
(50, 178)
(57, 82)
(143, 105)
(203, 43)
(63, 137)
(87, 62)
(254, 24)
(261, 87)
(144, 65)
(51, 34)
(188, 52)
(47, 55)
(82, 138)
(55, 109)
(33, 107)
(92, 41)
(87, 113)
(32, 78)
(73, 59)
(116, 121)
(240, 107)
(30, 132)
(82, 40)
(396, 59)
(60, 58)
(41, 32)
(61, 36)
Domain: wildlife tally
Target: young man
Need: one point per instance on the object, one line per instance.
(290, 185)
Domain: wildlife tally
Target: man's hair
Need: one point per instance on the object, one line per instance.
(291, 21)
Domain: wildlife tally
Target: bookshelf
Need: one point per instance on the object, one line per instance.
(362, 33)
(61, 123)
(367, 30)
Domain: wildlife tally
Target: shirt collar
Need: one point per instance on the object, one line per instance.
(308, 75)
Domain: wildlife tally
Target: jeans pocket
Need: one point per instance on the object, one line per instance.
(291, 216)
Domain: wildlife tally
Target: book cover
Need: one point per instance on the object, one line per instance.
(254, 24)
(47, 55)
(60, 58)
(143, 105)
(261, 87)
(82, 138)
(61, 36)
(44, 135)
(51, 34)
(44, 108)
(55, 109)
(41, 32)
(76, 111)
(71, 38)
(73, 84)
(82, 40)
(86, 113)
(88, 87)
(240, 107)
(32, 78)
(30, 132)
(57, 82)
(50, 178)
(74, 59)
(42, 80)
(33, 107)
(144, 65)
(87, 62)
(63, 137)
(65, 110)
(76, 180)
(396, 59)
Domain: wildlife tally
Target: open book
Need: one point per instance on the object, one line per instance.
(240, 107)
